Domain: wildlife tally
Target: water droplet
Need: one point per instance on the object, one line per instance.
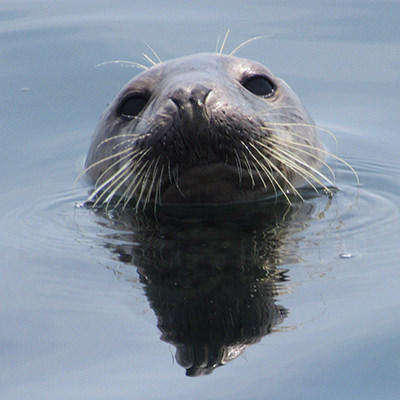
(346, 255)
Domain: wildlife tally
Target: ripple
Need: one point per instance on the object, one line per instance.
(44, 222)
(364, 220)
(364, 216)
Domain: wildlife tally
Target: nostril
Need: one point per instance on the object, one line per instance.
(176, 101)
(199, 98)
(194, 96)
(206, 96)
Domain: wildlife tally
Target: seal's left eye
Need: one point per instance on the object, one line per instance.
(132, 106)
(260, 86)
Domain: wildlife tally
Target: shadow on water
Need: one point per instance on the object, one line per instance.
(211, 274)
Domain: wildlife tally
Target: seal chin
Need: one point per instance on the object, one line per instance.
(212, 184)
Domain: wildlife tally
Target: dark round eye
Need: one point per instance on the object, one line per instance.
(260, 86)
(132, 106)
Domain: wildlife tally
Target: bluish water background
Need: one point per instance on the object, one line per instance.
(75, 322)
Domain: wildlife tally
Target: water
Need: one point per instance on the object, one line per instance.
(82, 306)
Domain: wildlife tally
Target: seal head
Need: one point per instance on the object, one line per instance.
(203, 129)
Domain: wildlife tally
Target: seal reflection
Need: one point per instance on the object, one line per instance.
(211, 274)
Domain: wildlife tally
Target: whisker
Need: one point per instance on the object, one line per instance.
(254, 164)
(154, 53)
(246, 160)
(105, 184)
(275, 168)
(136, 183)
(115, 137)
(144, 182)
(300, 161)
(224, 42)
(115, 178)
(169, 171)
(129, 175)
(175, 177)
(154, 174)
(329, 154)
(297, 169)
(277, 111)
(129, 192)
(157, 196)
(123, 178)
(274, 139)
(270, 177)
(299, 124)
(299, 166)
(146, 57)
(110, 167)
(98, 163)
(124, 63)
(246, 42)
(269, 174)
(138, 165)
(239, 166)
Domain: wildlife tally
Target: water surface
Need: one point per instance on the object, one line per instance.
(82, 312)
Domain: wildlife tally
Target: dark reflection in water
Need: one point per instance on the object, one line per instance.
(211, 275)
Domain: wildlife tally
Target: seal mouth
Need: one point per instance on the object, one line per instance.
(211, 183)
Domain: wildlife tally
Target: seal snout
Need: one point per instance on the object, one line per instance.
(190, 100)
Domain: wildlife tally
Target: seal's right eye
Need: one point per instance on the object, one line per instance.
(132, 106)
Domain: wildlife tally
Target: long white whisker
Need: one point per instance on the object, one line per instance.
(110, 167)
(137, 182)
(115, 137)
(299, 124)
(128, 193)
(124, 63)
(239, 166)
(246, 42)
(109, 181)
(98, 163)
(144, 183)
(329, 154)
(297, 147)
(154, 52)
(154, 174)
(269, 173)
(246, 161)
(297, 162)
(306, 175)
(157, 197)
(224, 42)
(276, 169)
(122, 179)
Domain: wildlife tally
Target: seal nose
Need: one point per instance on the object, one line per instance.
(190, 100)
(192, 121)
(192, 97)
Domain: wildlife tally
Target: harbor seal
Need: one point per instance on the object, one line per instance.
(203, 129)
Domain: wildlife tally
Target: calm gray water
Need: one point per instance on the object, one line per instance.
(91, 306)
